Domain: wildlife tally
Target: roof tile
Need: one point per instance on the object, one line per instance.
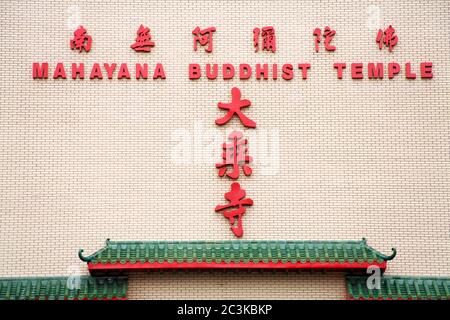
(400, 287)
(59, 288)
(228, 252)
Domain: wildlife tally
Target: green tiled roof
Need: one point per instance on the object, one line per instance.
(62, 288)
(237, 251)
(396, 287)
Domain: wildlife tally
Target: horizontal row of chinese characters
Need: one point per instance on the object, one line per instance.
(243, 71)
(204, 37)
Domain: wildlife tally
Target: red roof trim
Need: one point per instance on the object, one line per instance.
(232, 265)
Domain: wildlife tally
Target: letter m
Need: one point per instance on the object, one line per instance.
(375, 71)
(40, 72)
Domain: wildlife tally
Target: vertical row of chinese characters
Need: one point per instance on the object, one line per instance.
(234, 157)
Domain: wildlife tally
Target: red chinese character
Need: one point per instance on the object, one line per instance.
(204, 37)
(328, 34)
(235, 108)
(143, 40)
(237, 200)
(235, 155)
(81, 40)
(268, 36)
(390, 39)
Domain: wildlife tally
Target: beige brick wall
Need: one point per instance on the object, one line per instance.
(236, 285)
(82, 161)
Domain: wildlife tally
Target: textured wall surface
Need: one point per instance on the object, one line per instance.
(82, 161)
(236, 285)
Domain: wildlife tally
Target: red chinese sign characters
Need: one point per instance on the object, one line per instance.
(234, 108)
(268, 37)
(81, 40)
(237, 201)
(235, 155)
(387, 37)
(204, 37)
(328, 34)
(143, 40)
